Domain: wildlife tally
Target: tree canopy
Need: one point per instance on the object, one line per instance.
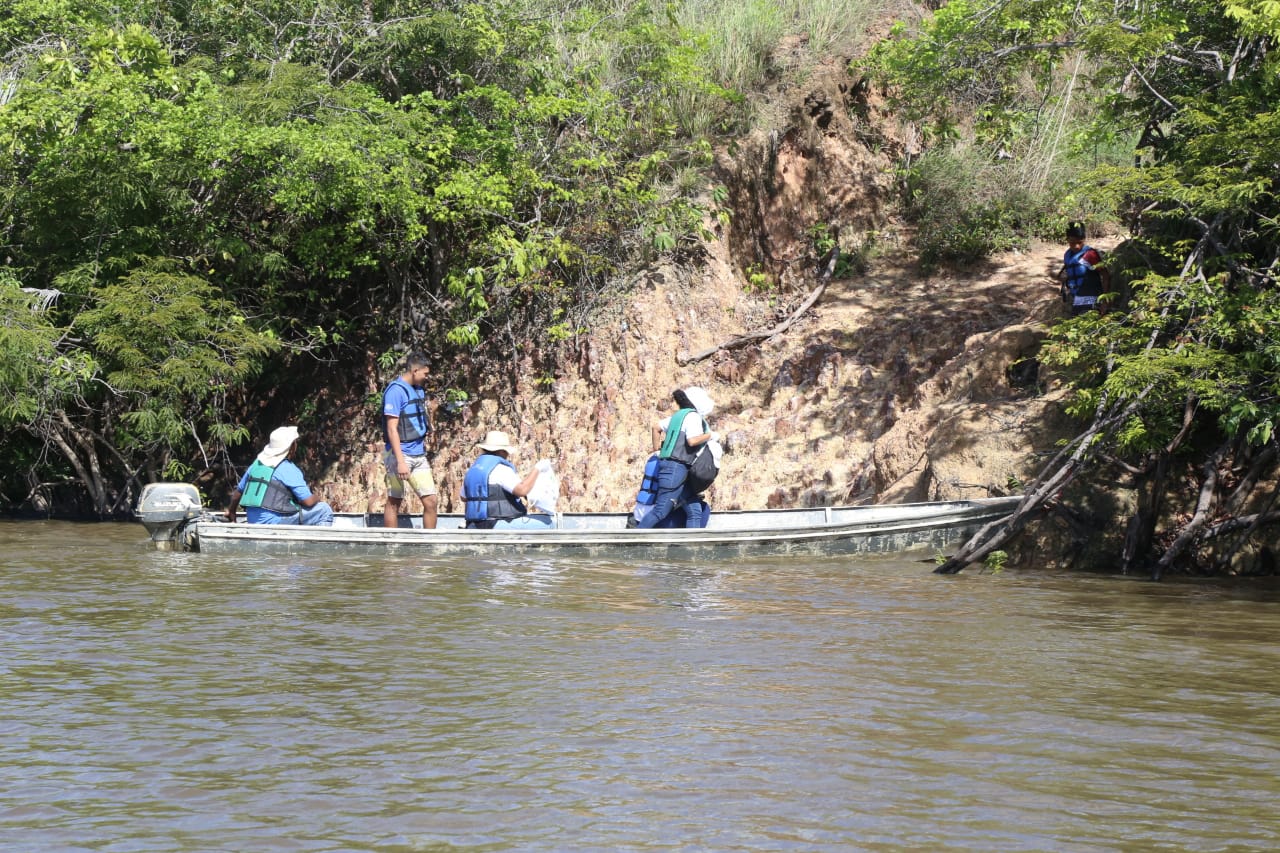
(209, 191)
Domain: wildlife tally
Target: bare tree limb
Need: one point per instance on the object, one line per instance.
(1247, 525)
(1240, 522)
(1208, 487)
(1054, 477)
(742, 340)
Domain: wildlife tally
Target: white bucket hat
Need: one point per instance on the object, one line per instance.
(282, 438)
(496, 440)
(700, 399)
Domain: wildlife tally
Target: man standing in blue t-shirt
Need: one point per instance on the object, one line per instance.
(405, 425)
(273, 490)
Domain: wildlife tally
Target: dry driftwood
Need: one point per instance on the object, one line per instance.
(828, 270)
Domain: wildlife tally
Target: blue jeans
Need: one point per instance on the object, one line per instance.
(320, 515)
(696, 512)
(671, 492)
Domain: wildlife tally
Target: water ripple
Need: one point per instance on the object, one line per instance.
(179, 702)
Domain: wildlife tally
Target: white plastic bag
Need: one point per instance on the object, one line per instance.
(546, 491)
(713, 444)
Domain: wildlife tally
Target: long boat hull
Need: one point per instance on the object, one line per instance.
(898, 528)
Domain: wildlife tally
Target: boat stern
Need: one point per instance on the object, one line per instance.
(165, 509)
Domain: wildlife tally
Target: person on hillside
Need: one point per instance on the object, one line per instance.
(648, 495)
(677, 439)
(1082, 278)
(405, 426)
(493, 491)
(273, 490)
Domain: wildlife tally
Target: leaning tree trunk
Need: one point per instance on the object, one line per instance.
(1204, 504)
(1246, 526)
(1070, 461)
(80, 454)
(1142, 527)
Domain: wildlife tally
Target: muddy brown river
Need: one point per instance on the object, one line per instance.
(182, 702)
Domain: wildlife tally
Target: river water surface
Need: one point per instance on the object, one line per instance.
(157, 702)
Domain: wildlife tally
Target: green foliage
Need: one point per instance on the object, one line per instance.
(1200, 329)
(824, 239)
(1184, 357)
(848, 263)
(1006, 105)
(28, 352)
(967, 208)
(1207, 343)
(326, 179)
(317, 179)
(759, 281)
(167, 342)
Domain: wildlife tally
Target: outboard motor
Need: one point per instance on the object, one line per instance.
(165, 509)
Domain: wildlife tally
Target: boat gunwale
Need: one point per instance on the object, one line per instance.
(879, 520)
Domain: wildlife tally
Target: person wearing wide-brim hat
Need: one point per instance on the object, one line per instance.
(676, 452)
(494, 491)
(273, 490)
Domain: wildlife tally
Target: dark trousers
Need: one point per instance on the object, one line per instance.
(671, 477)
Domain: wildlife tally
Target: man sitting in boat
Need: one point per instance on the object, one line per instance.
(273, 490)
(494, 491)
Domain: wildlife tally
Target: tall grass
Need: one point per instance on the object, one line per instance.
(831, 25)
(975, 195)
(742, 37)
(735, 43)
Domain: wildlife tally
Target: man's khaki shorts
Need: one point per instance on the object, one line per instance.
(424, 485)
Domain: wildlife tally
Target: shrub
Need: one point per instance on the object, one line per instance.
(966, 207)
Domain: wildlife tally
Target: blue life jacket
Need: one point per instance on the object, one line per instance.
(413, 423)
(648, 493)
(483, 508)
(1084, 282)
(263, 491)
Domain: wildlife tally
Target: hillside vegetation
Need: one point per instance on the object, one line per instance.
(1178, 380)
(217, 214)
(205, 203)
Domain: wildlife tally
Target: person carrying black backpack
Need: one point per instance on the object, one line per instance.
(679, 439)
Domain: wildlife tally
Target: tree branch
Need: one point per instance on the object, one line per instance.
(742, 340)
(1205, 503)
(1240, 522)
(1054, 477)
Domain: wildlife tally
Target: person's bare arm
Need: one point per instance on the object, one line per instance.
(699, 440)
(393, 438)
(526, 485)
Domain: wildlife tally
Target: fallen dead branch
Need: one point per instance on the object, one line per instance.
(1070, 461)
(829, 268)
